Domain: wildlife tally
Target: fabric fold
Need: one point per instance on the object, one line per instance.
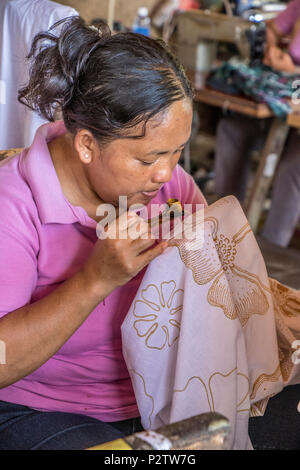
(208, 329)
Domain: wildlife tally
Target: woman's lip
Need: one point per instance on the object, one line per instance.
(150, 194)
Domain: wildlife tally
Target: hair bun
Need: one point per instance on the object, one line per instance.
(95, 29)
(59, 57)
(101, 28)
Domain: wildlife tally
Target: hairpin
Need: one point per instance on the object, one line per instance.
(97, 30)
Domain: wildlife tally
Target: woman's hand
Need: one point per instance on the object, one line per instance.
(279, 60)
(126, 249)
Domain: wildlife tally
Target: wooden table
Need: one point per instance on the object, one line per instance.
(270, 153)
(293, 120)
(9, 153)
(240, 104)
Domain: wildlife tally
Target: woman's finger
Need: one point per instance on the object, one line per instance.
(141, 245)
(126, 220)
(151, 254)
(139, 229)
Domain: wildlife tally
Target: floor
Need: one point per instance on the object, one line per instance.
(283, 264)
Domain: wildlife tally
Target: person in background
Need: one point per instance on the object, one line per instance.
(20, 20)
(284, 29)
(127, 113)
(236, 135)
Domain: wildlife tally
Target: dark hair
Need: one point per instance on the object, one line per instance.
(101, 82)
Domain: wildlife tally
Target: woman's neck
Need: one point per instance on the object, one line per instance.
(72, 176)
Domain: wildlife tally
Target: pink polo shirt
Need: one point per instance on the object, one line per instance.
(285, 22)
(44, 240)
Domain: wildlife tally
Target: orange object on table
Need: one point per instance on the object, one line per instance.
(188, 4)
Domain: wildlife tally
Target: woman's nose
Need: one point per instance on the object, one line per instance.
(163, 174)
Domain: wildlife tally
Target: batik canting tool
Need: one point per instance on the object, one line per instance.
(173, 210)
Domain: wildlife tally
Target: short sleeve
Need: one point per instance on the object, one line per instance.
(190, 192)
(285, 20)
(18, 251)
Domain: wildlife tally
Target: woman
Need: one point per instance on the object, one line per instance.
(237, 134)
(127, 113)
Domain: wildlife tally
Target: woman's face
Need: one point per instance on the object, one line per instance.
(138, 168)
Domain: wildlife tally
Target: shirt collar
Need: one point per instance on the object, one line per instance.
(37, 166)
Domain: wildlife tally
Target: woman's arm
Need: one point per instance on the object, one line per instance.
(273, 39)
(273, 34)
(34, 333)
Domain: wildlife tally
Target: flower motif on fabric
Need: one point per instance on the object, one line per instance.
(208, 390)
(236, 291)
(286, 300)
(158, 314)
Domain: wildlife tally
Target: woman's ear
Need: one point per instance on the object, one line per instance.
(86, 146)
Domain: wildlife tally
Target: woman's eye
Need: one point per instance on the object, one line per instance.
(146, 163)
